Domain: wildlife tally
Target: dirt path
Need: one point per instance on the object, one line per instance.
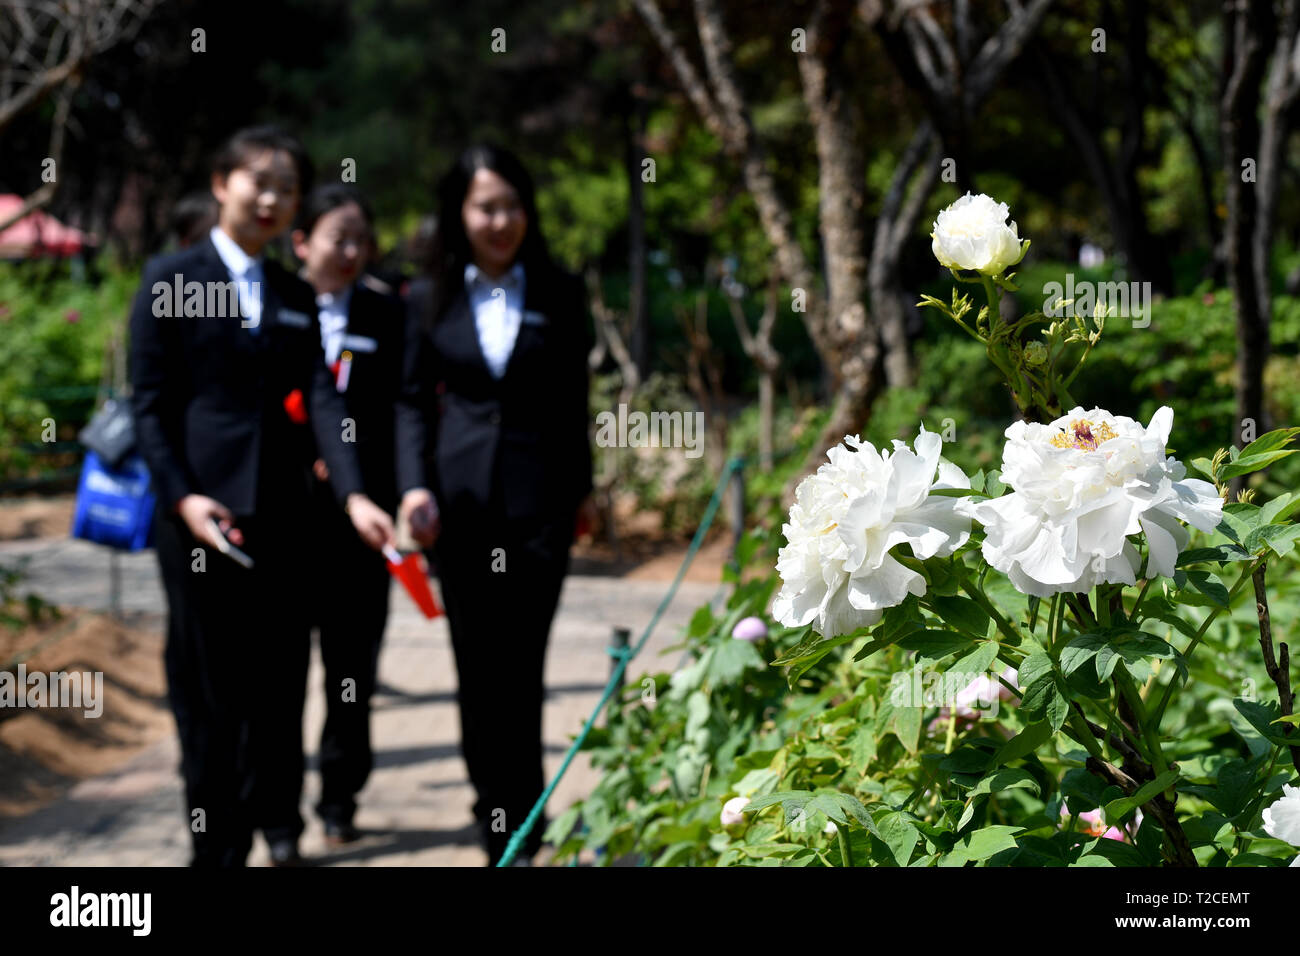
(112, 792)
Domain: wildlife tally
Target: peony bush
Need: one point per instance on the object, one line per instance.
(1078, 659)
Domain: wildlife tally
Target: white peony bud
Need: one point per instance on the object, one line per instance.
(973, 234)
(731, 811)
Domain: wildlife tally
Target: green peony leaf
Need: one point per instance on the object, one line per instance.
(1223, 554)
(1079, 651)
(963, 614)
(897, 832)
(1116, 810)
(987, 842)
(1023, 743)
(1210, 586)
(1263, 717)
(1246, 464)
(1007, 778)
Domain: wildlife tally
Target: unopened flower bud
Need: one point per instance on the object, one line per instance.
(1035, 353)
(750, 629)
(731, 811)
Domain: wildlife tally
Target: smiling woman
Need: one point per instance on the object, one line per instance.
(258, 189)
(495, 430)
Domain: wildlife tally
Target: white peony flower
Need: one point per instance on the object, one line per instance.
(731, 811)
(1082, 485)
(1282, 818)
(973, 234)
(836, 571)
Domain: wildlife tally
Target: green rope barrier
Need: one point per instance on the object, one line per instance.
(624, 656)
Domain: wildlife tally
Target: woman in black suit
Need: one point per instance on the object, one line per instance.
(361, 334)
(494, 462)
(226, 370)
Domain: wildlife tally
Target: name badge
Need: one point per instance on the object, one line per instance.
(359, 343)
(534, 318)
(299, 320)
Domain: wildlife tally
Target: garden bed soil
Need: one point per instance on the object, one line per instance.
(46, 750)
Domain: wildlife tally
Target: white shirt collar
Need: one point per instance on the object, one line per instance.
(237, 261)
(338, 300)
(473, 275)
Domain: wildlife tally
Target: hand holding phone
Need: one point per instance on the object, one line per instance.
(225, 547)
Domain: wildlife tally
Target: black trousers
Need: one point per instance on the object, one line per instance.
(237, 645)
(352, 612)
(501, 582)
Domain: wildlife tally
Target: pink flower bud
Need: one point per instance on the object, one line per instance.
(750, 629)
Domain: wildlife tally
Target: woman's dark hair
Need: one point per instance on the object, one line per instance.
(193, 217)
(248, 142)
(327, 198)
(450, 250)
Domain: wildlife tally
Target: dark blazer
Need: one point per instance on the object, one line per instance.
(207, 392)
(459, 428)
(374, 384)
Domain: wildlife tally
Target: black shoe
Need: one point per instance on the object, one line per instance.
(285, 853)
(337, 834)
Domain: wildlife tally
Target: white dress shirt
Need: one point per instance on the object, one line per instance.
(333, 310)
(498, 306)
(247, 274)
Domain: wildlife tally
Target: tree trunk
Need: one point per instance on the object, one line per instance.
(899, 213)
(1115, 179)
(841, 187)
(1245, 57)
(766, 390)
(1147, 261)
(638, 316)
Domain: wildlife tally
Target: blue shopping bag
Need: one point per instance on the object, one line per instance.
(115, 505)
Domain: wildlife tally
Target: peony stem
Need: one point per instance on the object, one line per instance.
(1009, 630)
(1084, 735)
(846, 857)
(1151, 736)
(1138, 603)
(1054, 615)
(995, 301)
(969, 331)
(1078, 368)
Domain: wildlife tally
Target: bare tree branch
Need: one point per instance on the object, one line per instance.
(610, 338)
(45, 46)
(695, 88)
(1002, 48)
(732, 125)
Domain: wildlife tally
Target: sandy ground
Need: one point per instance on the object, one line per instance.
(35, 517)
(42, 751)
